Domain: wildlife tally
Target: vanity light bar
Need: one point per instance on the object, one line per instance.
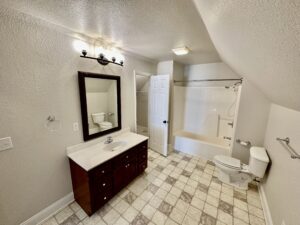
(101, 59)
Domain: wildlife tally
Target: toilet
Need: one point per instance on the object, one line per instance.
(232, 171)
(98, 118)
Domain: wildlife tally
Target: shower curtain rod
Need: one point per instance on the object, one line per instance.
(229, 79)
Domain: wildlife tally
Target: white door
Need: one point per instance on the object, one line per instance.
(159, 113)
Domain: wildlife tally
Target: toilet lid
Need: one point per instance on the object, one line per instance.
(228, 161)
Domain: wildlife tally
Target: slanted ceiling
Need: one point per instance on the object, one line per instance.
(260, 40)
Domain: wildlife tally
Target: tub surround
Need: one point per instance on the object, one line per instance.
(92, 155)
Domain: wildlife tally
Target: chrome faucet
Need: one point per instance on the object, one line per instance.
(109, 140)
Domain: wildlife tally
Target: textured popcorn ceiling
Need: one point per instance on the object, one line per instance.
(259, 39)
(150, 28)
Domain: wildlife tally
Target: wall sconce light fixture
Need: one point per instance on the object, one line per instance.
(102, 59)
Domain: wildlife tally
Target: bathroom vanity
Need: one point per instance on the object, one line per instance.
(101, 170)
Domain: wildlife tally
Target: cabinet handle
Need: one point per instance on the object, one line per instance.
(104, 198)
(103, 171)
(127, 156)
(103, 184)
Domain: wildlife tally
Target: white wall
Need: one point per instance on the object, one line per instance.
(209, 71)
(38, 78)
(251, 121)
(282, 184)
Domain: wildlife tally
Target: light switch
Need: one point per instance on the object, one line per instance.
(75, 126)
(5, 143)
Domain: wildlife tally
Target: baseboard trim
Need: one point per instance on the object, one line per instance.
(50, 210)
(265, 205)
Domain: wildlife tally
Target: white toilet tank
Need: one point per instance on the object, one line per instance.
(98, 117)
(259, 161)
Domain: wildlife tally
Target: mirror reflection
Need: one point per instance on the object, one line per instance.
(101, 97)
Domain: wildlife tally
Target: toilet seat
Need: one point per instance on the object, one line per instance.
(228, 162)
(106, 124)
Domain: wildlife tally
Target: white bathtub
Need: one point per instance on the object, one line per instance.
(206, 147)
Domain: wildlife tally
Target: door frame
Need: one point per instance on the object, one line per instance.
(137, 72)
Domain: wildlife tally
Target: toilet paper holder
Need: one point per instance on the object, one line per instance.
(243, 143)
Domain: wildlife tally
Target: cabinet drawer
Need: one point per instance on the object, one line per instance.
(142, 155)
(125, 158)
(142, 166)
(104, 183)
(102, 170)
(102, 197)
(142, 147)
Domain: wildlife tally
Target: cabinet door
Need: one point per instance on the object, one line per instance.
(124, 174)
(130, 172)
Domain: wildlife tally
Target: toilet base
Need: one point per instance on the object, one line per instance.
(238, 180)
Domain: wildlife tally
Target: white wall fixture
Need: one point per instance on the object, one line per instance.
(5, 143)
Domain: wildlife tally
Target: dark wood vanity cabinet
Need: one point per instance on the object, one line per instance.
(92, 189)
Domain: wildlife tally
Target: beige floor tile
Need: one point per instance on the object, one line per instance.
(210, 210)
(139, 203)
(225, 217)
(63, 214)
(189, 221)
(177, 215)
(148, 211)
(181, 205)
(159, 218)
(121, 221)
(194, 213)
(256, 221)
(241, 214)
(111, 217)
(130, 214)
(197, 202)
(121, 206)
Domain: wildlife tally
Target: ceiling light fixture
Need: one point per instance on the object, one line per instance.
(181, 51)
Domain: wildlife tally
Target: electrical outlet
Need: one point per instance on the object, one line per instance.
(283, 222)
(5, 143)
(75, 126)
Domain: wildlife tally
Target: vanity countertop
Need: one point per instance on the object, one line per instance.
(94, 155)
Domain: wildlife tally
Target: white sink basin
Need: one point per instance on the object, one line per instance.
(115, 145)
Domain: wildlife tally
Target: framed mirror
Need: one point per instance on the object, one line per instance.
(100, 98)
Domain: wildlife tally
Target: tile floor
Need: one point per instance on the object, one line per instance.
(178, 189)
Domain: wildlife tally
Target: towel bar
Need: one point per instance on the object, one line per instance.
(294, 154)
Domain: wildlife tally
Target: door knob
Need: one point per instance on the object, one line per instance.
(165, 121)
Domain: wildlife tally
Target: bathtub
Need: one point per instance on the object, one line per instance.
(203, 146)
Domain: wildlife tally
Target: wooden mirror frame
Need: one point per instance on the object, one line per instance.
(83, 104)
